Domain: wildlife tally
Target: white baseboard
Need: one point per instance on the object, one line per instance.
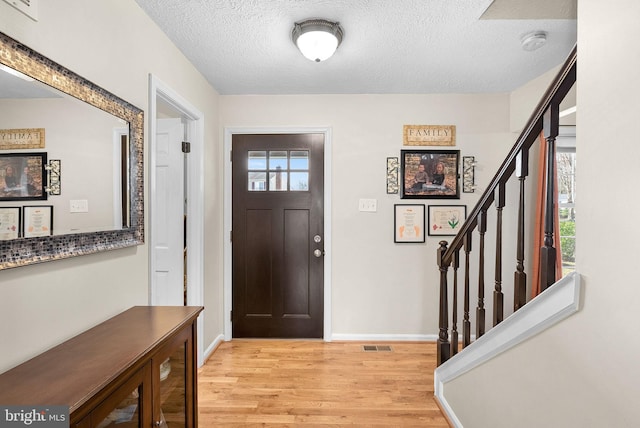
(548, 308)
(213, 346)
(384, 337)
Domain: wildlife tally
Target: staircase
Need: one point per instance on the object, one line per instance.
(456, 279)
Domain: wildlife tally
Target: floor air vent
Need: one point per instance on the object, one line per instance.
(376, 348)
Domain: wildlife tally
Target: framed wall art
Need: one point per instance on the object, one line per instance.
(29, 138)
(429, 135)
(468, 174)
(9, 223)
(392, 175)
(23, 176)
(408, 223)
(429, 174)
(37, 220)
(446, 220)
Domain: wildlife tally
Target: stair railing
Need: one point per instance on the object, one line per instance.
(545, 119)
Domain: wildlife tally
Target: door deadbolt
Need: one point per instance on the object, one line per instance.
(317, 239)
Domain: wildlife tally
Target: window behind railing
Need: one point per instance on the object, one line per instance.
(566, 170)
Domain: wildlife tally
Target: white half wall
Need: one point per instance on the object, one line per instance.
(548, 308)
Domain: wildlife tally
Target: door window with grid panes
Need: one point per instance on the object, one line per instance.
(278, 171)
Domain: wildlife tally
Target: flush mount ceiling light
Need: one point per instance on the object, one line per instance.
(317, 39)
(534, 40)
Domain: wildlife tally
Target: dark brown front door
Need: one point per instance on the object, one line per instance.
(277, 235)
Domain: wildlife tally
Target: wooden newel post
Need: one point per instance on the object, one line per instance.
(444, 348)
(548, 251)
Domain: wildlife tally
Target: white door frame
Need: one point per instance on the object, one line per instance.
(195, 196)
(228, 134)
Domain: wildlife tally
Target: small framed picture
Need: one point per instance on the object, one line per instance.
(23, 176)
(37, 220)
(10, 223)
(446, 220)
(429, 174)
(392, 175)
(408, 223)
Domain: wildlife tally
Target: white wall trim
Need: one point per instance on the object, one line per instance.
(228, 134)
(548, 308)
(195, 195)
(385, 337)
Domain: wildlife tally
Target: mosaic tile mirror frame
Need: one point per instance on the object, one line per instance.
(24, 251)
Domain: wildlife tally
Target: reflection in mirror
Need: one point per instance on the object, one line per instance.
(98, 138)
(94, 175)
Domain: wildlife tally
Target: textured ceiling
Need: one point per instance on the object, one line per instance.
(389, 46)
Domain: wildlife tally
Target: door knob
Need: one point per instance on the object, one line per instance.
(317, 253)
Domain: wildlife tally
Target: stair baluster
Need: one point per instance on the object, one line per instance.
(480, 311)
(548, 252)
(498, 296)
(466, 324)
(454, 316)
(520, 276)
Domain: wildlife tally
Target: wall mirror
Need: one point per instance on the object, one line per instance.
(98, 139)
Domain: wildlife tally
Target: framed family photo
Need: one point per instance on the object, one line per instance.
(446, 220)
(408, 223)
(429, 174)
(23, 176)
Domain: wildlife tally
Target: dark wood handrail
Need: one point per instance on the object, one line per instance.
(554, 94)
(545, 119)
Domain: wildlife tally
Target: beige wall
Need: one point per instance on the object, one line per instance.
(115, 45)
(525, 99)
(584, 372)
(378, 287)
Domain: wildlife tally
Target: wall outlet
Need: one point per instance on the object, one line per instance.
(79, 206)
(368, 205)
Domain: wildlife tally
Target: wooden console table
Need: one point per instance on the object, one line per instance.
(137, 369)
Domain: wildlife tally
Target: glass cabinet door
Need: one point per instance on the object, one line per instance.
(172, 390)
(128, 406)
(126, 413)
(174, 384)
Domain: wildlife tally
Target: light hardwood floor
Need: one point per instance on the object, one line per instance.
(314, 383)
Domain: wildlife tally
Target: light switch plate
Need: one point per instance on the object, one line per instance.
(368, 205)
(78, 206)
